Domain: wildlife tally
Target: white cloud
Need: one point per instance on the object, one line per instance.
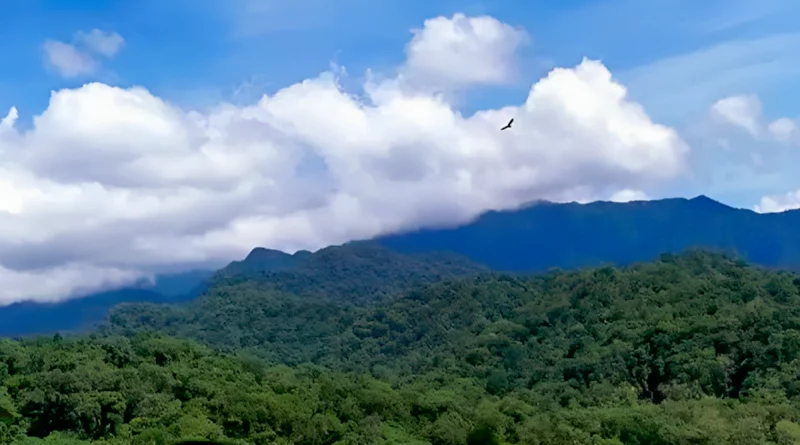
(106, 44)
(463, 50)
(783, 129)
(778, 203)
(742, 111)
(49, 285)
(745, 112)
(76, 59)
(68, 60)
(119, 182)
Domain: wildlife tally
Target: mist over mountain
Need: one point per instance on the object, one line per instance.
(534, 238)
(83, 313)
(572, 235)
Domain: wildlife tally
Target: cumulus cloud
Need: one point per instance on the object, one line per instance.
(77, 58)
(745, 112)
(463, 50)
(111, 183)
(778, 203)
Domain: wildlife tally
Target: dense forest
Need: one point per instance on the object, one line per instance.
(358, 273)
(697, 348)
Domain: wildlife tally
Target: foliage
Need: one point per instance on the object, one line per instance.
(151, 389)
(691, 349)
(690, 325)
(358, 272)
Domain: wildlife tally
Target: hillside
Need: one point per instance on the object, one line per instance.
(687, 325)
(293, 301)
(358, 272)
(569, 236)
(697, 348)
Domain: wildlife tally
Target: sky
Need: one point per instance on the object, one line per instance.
(148, 136)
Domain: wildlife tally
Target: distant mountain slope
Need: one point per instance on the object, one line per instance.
(30, 318)
(358, 272)
(573, 235)
(535, 238)
(84, 313)
(181, 284)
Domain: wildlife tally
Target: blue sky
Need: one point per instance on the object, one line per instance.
(203, 50)
(310, 166)
(675, 56)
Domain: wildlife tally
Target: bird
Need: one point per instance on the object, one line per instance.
(508, 125)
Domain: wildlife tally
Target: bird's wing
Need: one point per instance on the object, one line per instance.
(511, 121)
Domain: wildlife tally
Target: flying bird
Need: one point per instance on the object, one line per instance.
(508, 125)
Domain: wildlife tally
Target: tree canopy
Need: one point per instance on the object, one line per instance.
(697, 348)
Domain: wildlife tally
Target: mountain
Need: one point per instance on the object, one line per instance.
(86, 312)
(569, 236)
(535, 238)
(293, 300)
(181, 284)
(356, 272)
(262, 259)
(74, 315)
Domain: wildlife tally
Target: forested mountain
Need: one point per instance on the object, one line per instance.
(697, 348)
(671, 325)
(357, 272)
(569, 236)
(294, 303)
(362, 344)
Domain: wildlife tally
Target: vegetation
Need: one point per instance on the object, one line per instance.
(356, 273)
(360, 273)
(691, 349)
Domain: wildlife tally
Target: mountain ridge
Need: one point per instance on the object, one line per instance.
(533, 238)
(573, 235)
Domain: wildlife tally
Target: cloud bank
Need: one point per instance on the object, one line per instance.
(110, 184)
